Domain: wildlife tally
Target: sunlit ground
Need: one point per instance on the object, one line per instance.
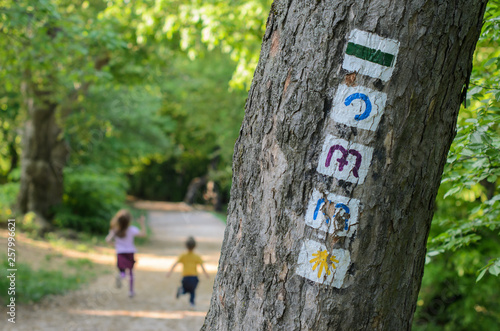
(179, 314)
(106, 256)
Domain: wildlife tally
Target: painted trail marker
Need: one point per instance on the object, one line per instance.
(333, 213)
(345, 160)
(371, 55)
(318, 264)
(358, 106)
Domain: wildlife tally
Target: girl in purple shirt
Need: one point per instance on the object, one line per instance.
(123, 234)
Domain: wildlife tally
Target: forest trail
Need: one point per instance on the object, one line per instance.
(101, 306)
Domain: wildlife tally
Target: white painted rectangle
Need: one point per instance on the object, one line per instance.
(373, 41)
(343, 223)
(345, 160)
(319, 265)
(358, 106)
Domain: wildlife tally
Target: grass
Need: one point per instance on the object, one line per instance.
(80, 264)
(49, 257)
(33, 285)
(83, 243)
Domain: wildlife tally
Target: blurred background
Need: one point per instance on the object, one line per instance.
(103, 103)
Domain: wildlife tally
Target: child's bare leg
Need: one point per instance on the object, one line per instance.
(119, 277)
(131, 292)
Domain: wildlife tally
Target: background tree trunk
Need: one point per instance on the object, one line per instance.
(293, 135)
(211, 195)
(43, 155)
(193, 189)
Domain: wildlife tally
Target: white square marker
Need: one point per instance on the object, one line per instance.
(370, 54)
(341, 218)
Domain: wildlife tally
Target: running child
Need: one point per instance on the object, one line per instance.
(189, 261)
(123, 234)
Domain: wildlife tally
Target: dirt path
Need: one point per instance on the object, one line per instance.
(100, 306)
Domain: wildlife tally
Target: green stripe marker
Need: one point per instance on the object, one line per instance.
(370, 54)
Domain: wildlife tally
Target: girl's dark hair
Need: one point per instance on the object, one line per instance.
(120, 222)
(190, 243)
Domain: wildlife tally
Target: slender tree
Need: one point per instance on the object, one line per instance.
(348, 122)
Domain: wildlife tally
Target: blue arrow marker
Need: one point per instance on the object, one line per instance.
(318, 206)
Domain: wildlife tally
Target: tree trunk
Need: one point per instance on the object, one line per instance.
(14, 157)
(194, 187)
(349, 119)
(211, 195)
(43, 155)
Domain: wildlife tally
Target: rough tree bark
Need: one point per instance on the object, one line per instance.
(330, 210)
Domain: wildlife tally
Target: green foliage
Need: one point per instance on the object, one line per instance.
(40, 34)
(166, 180)
(33, 285)
(10, 140)
(207, 117)
(236, 27)
(460, 289)
(470, 194)
(27, 223)
(116, 127)
(142, 89)
(68, 54)
(450, 298)
(90, 199)
(493, 267)
(8, 194)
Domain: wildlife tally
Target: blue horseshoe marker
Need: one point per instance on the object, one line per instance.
(367, 101)
(346, 209)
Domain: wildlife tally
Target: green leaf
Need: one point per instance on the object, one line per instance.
(490, 62)
(454, 190)
(481, 274)
(494, 270)
(492, 178)
(434, 253)
(479, 163)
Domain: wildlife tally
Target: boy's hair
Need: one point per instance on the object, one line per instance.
(190, 243)
(120, 222)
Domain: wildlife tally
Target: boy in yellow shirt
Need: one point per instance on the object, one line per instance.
(189, 262)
